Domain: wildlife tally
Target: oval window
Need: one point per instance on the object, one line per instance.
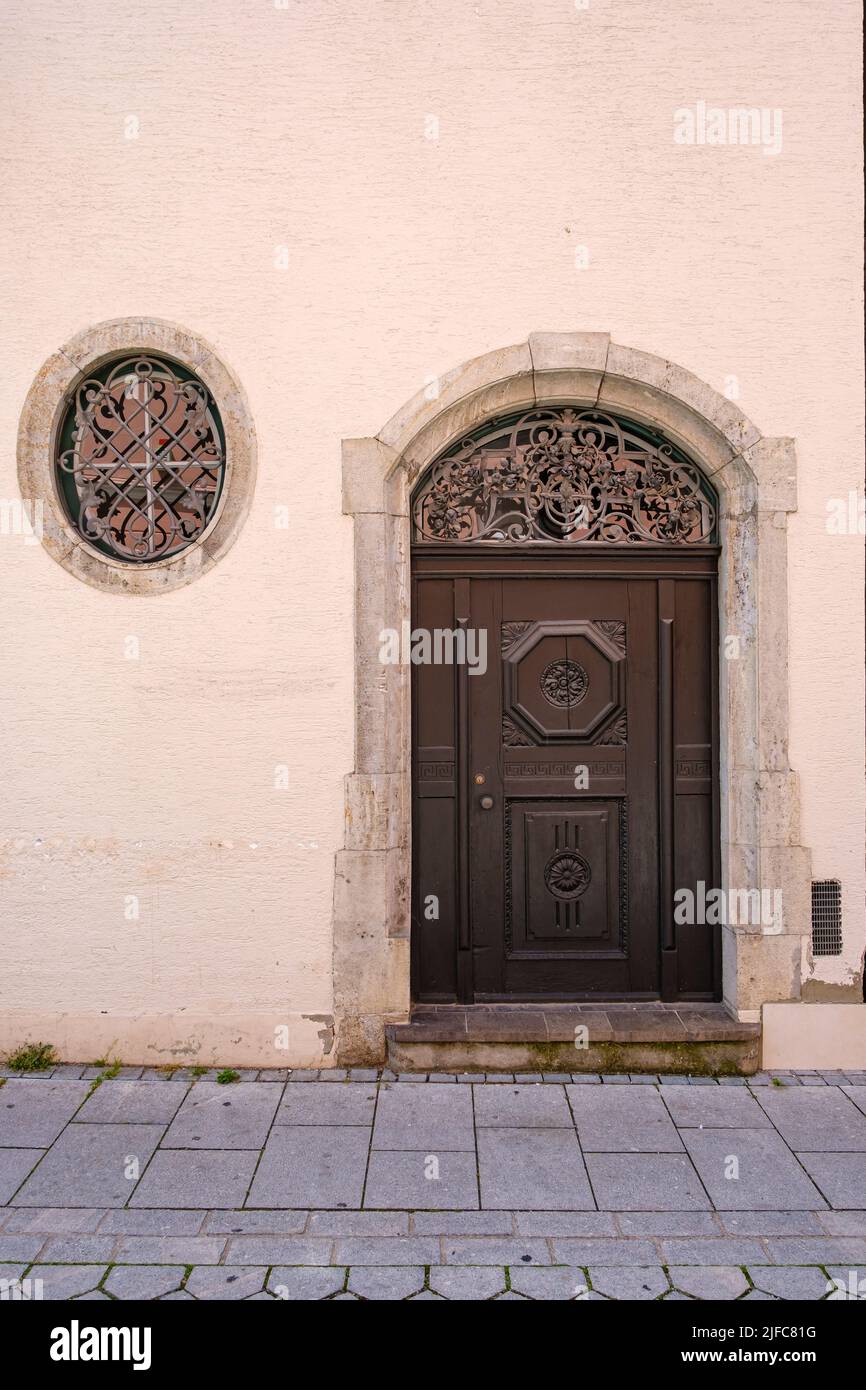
(141, 459)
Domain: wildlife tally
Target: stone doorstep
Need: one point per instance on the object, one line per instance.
(622, 1037)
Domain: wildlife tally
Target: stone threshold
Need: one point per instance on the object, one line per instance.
(598, 1037)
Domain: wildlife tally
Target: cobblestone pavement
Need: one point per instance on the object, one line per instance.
(365, 1185)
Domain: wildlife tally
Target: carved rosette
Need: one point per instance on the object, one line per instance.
(567, 875)
(564, 475)
(564, 683)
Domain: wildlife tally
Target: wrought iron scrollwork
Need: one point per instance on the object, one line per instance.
(564, 475)
(142, 460)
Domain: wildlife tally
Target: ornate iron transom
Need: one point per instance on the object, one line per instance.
(564, 475)
(141, 459)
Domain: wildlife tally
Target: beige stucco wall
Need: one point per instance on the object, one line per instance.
(299, 136)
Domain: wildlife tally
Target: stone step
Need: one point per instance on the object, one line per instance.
(609, 1038)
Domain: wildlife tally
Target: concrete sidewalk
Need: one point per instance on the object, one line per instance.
(363, 1185)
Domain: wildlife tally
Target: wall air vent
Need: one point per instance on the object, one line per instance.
(826, 917)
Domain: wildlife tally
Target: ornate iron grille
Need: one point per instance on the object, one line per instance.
(141, 459)
(564, 475)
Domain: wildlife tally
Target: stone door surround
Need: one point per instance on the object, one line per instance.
(757, 485)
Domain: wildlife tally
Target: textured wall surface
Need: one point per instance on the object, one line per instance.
(346, 198)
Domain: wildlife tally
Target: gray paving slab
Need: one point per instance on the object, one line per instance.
(434, 1118)
(79, 1249)
(463, 1283)
(846, 1283)
(715, 1107)
(856, 1093)
(841, 1177)
(642, 1282)
(305, 1283)
(533, 1170)
(816, 1121)
(66, 1281)
(359, 1223)
(224, 1117)
(385, 1250)
(278, 1250)
(815, 1250)
(91, 1166)
(169, 1250)
(15, 1164)
(467, 1283)
(464, 1223)
(226, 1283)
(550, 1285)
(130, 1102)
(316, 1103)
(20, 1247)
(775, 1223)
(157, 1221)
(750, 1169)
(196, 1178)
(421, 1181)
(53, 1221)
(589, 1253)
(522, 1107)
(668, 1223)
(32, 1113)
(254, 1223)
(516, 1251)
(385, 1283)
(622, 1119)
(565, 1223)
(797, 1283)
(711, 1282)
(719, 1250)
(144, 1281)
(646, 1182)
(312, 1165)
(842, 1223)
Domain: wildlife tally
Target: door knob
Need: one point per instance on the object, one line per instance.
(487, 803)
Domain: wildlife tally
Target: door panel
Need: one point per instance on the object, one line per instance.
(547, 833)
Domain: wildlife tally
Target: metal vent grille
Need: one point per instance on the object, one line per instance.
(827, 917)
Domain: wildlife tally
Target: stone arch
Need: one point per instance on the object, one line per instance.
(755, 478)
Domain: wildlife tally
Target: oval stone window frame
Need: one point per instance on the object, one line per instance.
(45, 410)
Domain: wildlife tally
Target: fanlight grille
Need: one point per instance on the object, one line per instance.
(565, 475)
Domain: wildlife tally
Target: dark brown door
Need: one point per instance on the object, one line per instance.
(563, 793)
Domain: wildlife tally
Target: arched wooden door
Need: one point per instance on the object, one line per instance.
(564, 715)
